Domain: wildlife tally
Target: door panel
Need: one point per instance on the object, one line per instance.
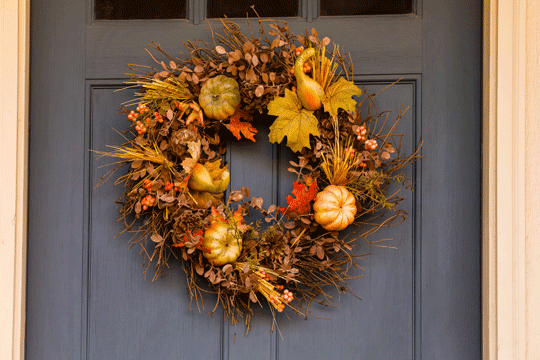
(122, 303)
(129, 316)
(87, 295)
(389, 46)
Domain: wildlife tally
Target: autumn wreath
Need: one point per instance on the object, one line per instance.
(174, 198)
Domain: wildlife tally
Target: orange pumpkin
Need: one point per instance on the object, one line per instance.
(335, 208)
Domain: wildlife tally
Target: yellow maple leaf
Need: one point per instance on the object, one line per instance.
(293, 121)
(340, 95)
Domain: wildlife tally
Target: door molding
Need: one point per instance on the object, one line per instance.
(509, 214)
(506, 216)
(14, 96)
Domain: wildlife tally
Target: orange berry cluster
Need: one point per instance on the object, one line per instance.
(147, 201)
(349, 152)
(142, 108)
(277, 303)
(307, 68)
(147, 184)
(277, 300)
(299, 50)
(263, 275)
(133, 115)
(140, 127)
(287, 296)
(158, 117)
(370, 144)
(361, 133)
(363, 164)
(168, 186)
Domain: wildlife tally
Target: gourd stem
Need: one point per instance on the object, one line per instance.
(336, 137)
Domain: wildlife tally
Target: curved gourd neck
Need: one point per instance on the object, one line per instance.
(299, 64)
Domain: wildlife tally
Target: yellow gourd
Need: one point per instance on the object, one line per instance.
(209, 177)
(310, 93)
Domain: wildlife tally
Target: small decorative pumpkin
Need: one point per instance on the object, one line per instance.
(223, 239)
(219, 97)
(335, 208)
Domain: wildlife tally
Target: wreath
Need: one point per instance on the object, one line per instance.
(174, 189)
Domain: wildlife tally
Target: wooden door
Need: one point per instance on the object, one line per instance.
(87, 296)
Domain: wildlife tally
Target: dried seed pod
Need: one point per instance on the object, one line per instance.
(179, 139)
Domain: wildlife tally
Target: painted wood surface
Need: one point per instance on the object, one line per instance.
(87, 296)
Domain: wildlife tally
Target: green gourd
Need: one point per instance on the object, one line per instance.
(309, 91)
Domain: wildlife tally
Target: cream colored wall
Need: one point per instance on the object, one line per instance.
(532, 171)
(511, 253)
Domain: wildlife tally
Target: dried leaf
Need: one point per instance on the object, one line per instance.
(198, 268)
(250, 75)
(194, 149)
(259, 91)
(255, 60)
(136, 164)
(290, 225)
(227, 269)
(221, 50)
(320, 252)
(235, 196)
(264, 57)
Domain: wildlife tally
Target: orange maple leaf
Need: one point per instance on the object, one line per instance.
(216, 215)
(239, 220)
(237, 127)
(300, 205)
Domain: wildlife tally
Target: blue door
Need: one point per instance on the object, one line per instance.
(87, 295)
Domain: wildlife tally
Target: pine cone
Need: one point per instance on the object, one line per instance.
(187, 221)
